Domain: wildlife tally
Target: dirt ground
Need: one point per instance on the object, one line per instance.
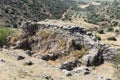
(13, 69)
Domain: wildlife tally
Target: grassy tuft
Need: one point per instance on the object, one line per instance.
(112, 38)
(98, 37)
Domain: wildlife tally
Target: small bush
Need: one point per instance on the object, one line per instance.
(98, 37)
(4, 32)
(117, 66)
(110, 29)
(117, 30)
(112, 38)
(114, 23)
(100, 31)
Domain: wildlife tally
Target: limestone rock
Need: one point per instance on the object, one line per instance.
(92, 58)
(30, 53)
(18, 57)
(50, 57)
(82, 70)
(70, 65)
(48, 77)
(66, 72)
(28, 63)
(29, 28)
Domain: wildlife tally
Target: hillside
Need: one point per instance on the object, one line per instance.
(71, 51)
(13, 12)
(98, 16)
(59, 40)
(91, 0)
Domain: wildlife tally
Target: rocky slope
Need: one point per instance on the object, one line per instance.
(60, 40)
(38, 47)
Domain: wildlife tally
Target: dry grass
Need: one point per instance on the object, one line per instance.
(49, 36)
(79, 53)
(46, 34)
(15, 36)
(75, 54)
(62, 43)
(108, 34)
(81, 22)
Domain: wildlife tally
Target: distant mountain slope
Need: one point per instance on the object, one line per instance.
(92, 0)
(13, 12)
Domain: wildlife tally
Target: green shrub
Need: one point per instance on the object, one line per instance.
(98, 37)
(4, 32)
(117, 30)
(100, 31)
(117, 66)
(112, 38)
(114, 23)
(110, 29)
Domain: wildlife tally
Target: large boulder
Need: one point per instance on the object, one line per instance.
(29, 28)
(92, 58)
(109, 53)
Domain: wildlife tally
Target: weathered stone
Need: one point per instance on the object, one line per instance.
(18, 57)
(29, 63)
(29, 28)
(50, 57)
(74, 44)
(92, 58)
(18, 43)
(30, 53)
(66, 72)
(37, 55)
(109, 53)
(5, 47)
(89, 33)
(107, 79)
(70, 65)
(48, 77)
(2, 60)
(83, 70)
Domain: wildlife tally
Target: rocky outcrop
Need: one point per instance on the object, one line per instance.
(55, 42)
(109, 53)
(29, 28)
